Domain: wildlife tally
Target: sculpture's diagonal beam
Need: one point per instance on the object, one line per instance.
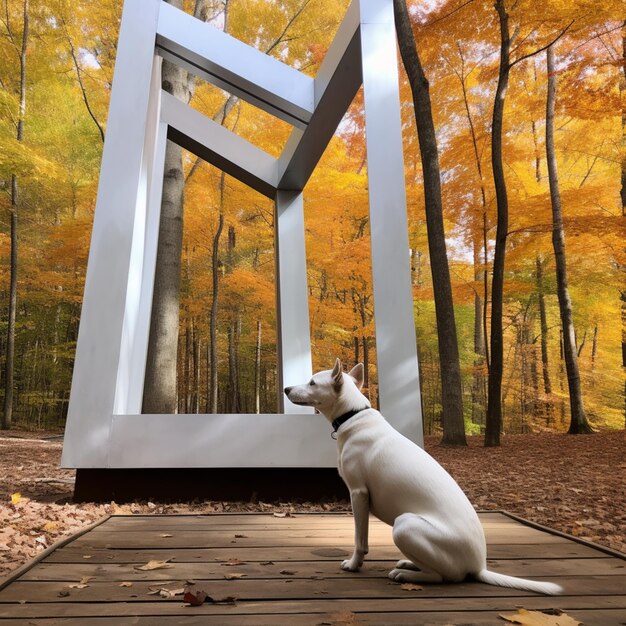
(219, 146)
(234, 66)
(336, 84)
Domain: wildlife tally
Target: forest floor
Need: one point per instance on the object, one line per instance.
(574, 484)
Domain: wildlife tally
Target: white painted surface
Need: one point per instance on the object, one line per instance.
(396, 350)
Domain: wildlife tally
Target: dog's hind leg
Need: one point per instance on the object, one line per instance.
(418, 540)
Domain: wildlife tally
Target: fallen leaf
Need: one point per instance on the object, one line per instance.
(283, 515)
(234, 576)
(287, 572)
(195, 598)
(163, 592)
(164, 535)
(85, 579)
(48, 526)
(150, 565)
(266, 563)
(64, 593)
(87, 556)
(15, 497)
(241, 536)
(126, 584)
(411, 587)
(537, 618)
(78, 585)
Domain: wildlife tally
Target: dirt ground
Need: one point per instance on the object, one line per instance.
(574, 484)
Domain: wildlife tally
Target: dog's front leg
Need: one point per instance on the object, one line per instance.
(360, 499)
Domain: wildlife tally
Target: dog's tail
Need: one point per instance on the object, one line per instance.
(501, 580)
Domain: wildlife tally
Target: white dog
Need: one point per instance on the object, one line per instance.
(434, 524)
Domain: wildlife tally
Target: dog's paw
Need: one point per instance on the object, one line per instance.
(350, 565)
(399, 575)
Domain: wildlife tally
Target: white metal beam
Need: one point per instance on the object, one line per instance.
(336, 84)
(122, 191)
(396, 350)
(292, 298)
(189, 440)
(235, 67)
(219, 146)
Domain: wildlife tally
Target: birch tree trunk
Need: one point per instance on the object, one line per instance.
(7, 414)
(578, 423)
(496, 364)
(452, 396)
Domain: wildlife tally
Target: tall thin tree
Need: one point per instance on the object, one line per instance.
(21, 49)
(452, 395)
(496, 364)
(578, 423)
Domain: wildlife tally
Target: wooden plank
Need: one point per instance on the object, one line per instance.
(307, 569)
(292, 607)
(596, 617)
(73, 554)
(275, 538)
(351, 586)
(156, 523)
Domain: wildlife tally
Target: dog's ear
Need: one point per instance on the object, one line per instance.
(357, 373)
(337, 374)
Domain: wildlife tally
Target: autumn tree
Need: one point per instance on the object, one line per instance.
(20, 46)
(579, 423)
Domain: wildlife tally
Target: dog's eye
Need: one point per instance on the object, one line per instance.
(312, 382)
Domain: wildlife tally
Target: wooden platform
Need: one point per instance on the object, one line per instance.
(290, 575)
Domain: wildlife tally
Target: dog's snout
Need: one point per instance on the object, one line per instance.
(287, 390)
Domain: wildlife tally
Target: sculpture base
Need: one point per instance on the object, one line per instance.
(225, 484)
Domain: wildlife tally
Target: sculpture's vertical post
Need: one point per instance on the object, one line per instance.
(398, 377)
(136, 330)
(123, 184)
(292, 303)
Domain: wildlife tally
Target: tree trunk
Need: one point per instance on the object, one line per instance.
(594, 347)
(257, 369)
(7, 414)
(160, 386)
(543, 320)
(623, 196)
(214, 304)
(494, 401)
(452, 399)
(578, 423)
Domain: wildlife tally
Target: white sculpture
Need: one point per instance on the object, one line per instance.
(105, 427)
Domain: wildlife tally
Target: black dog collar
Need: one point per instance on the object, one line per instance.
(342, 419)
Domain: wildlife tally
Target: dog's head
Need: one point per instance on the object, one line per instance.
(331, 392)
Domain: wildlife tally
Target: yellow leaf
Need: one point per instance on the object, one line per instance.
(537, 618)
(16, 497)
(50, 526)
(150, 565)
(411, 587)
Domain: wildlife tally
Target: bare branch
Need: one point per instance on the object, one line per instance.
(530, 54)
